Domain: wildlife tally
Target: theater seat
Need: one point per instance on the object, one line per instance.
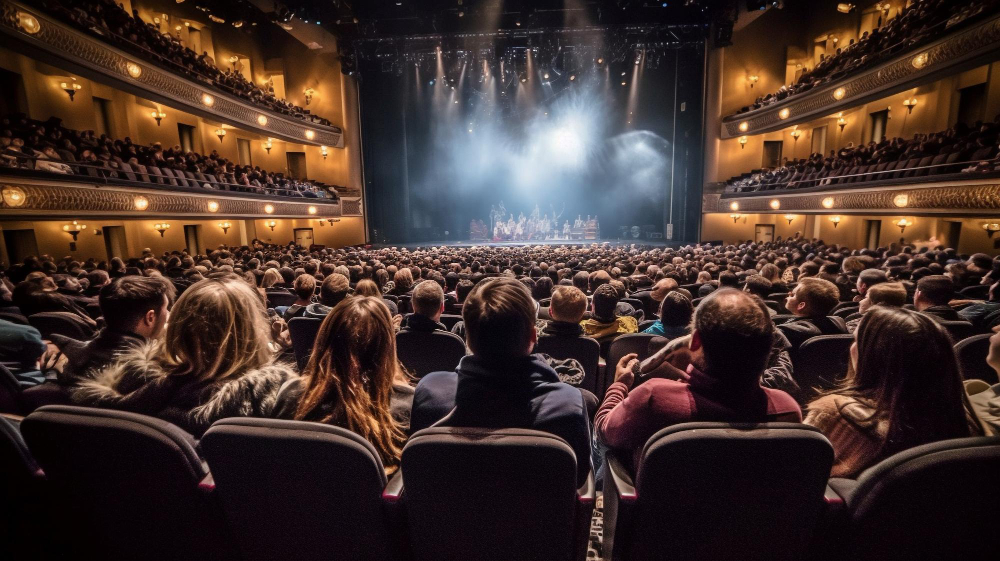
(936, 501)
(819, 363)
(474, 493)
(958, 330)
(298, 490)
(136, 482)
(423, 352)
(971, 353)
(303, 333)
(61, 323)
(584, 349)
(24, 518)
(718, 491)
(622, 345)
(278, 298)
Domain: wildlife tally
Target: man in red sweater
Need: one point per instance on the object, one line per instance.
(716, 378)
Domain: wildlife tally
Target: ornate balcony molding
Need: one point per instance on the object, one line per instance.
(978, 196)
(967, 48)
(42, 199)
(351, 207)
(55, 43)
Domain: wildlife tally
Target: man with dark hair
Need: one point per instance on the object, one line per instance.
(932, 297)
(335, 288)
(502, 385)
(304, 288)
(428, 305)
(811, 302)
(135, 309)
(604, 325)
(728, 351)
(867, 279)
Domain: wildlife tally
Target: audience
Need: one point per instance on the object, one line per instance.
(604, 324)
(675, 317)
(428, 305)
(811, 302)
(885, 295)
(214, 361)
(354, 380)
(900, 394)
(566, 309)
(502, 385)
(983, 315)
(932, 297)
(729, 349)
(304, 288)
(334, 289)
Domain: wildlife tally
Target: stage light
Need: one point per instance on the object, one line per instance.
(546, 75)
(624, 82)
(572, 77)
(600, 61)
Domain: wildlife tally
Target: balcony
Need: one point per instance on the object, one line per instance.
(26, 29)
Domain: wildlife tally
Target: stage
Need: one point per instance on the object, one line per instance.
(566, 243)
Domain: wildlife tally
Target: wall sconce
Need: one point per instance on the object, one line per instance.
(213, 206)
(70, 88)
(796, 134)
(991, 228)
(753, 79)
(221, 133)
(789, 218)
(827, 202)
(269, 208)
(225, 227)
(909, 104)
(74, 229)
(140, 203)
(161, 228)
(842, 122)
(902, 223)
(775, 204)
(268, 146)
(271, 224)
(158, 115)
(835, 220)
(322, 150)
(13, 196)
(735, 217)
(743, 142)
(233, 60)
(309, 93)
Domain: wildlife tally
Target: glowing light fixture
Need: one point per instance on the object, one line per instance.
(13, 196)
(839, 93)
(920, 61)
(901, 200)
(271, 224)
(835, 219)
(775, 204)
(796, 133)
(221, 133)
(310, 134)
(323, 151)
(902, 223)
(213, 206)
(207, 100)
(789, 218)
(991, 228)
(268, 146)
(74, 229)
(309, 93)
(743, 141)
(161, 227)
(841, 122)
(827, 202)
(784, 113)
(269, 208)
(225, 226)
(734, 205)
(909, 104)
(28, 23)
(140, 203)
(312, 210)
(735, 216)
(845, 7)
(262, 120)
(753, 79)
(133, 69)
(744, 126)
(70, 88)
(158, 115)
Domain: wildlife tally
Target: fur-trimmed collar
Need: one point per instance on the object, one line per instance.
(138, 383)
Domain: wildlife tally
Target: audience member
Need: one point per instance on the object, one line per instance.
(335, 288)
(304, 288)
(675, 317)
(603, 324)
(811, 302)
(428, 305)
(932, 297)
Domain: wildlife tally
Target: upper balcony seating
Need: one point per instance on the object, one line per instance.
(921, 23)
(49, 147)
(960, 149)
(107, 20)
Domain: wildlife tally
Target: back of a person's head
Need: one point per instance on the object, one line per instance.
(499, 318)
(758, 285)
(597, 278)
(581, 280)
(735, 333)
(936, 289)
(335, 288)
(771, 272)
(907, 371)
(676, 310)
(892, 294)
(271, 278)
(428, 297)
(605, 302)
(304, 286)
(463, 288)
(218, 329)
(542, 288)
(872, 277)
(663, 287)
(569, 303)
(820, 296)
(367, 287)
(126, 300)
(348, 380)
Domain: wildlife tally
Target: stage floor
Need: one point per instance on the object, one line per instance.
(568, 243)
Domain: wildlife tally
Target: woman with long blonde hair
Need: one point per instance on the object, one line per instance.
(354, 380)
(214, 361)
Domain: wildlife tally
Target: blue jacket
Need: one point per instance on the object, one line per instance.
(522, 393)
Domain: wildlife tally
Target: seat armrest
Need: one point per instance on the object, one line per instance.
(839, 490)
(619, 501)
(207, 485)
(588, 491)
(584, 515)
(621, 480)
(394, 489)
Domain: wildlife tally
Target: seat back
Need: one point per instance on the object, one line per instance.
(979, 291)
(24, 520)
(423, 352)
(280, 298)
(135, 480)
(820, 362)
(936, 501)
(61, 323)
(959, 329)
(10, 392)
(449, 320)
(298, 490)
(622, 345)
(584, 349)
(303, 333)
(489, 494)
(709, 490)
(971, 353)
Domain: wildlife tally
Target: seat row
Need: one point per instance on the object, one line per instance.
(126, 486)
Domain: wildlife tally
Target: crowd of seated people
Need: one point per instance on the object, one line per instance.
(962, 148)
(110, 22)
(919, 23)
(48, 146)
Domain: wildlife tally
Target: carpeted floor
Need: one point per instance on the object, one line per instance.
(595, 547)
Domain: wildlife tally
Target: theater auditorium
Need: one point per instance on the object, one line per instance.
(499, 280)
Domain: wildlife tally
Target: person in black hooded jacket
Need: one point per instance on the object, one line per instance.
(502, 385)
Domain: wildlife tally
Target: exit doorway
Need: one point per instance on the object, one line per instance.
(192, 240)
(114, 242)
(763, 233)
(20, 244)
(303, 237)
